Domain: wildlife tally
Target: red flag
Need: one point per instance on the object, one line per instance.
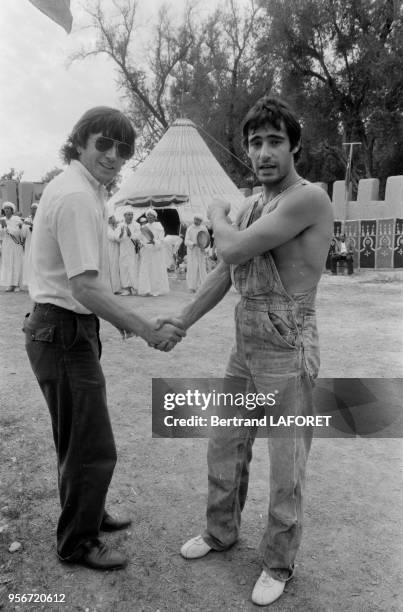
(57, 10)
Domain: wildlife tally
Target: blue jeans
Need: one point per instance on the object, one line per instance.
(276, 350)
(64, 351)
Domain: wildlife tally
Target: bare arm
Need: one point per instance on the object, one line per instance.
(296, 213)
(88, 289)
(216, 285)
(212, 291)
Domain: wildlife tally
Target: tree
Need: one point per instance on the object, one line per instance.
(346, 55)
(222, 78)
(146, 88)
(206, 70)
(51, 174)
(338, 62)
(12, 175)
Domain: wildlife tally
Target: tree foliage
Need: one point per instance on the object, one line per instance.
(344, 57)
(337, 62)
(222, 78)
(145, 87)
(207, 70)
(50, 174)
(12, 175)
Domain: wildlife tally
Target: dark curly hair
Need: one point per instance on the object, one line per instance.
(99, 120)
(273, 111)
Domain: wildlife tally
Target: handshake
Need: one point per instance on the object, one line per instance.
(163, 334)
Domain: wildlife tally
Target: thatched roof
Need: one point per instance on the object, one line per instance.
(180, 170)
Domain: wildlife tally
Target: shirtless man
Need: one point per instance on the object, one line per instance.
(274, 256)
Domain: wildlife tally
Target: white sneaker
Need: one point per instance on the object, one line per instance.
(267, 590)
(125, 292)
(195, 548)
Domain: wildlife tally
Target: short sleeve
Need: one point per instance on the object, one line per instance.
(77, 224)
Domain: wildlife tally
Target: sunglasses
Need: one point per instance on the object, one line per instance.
(104, 143)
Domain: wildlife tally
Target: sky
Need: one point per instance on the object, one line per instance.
(43, 94)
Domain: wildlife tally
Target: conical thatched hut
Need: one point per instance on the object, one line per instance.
(181, 174)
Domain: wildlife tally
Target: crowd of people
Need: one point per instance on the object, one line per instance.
(140, 254)
(15, 234)
(137, 260)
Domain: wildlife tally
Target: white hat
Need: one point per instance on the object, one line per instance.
(34, 205)
(9, 205)
(197, 216)
(127, 209)
(152, 212)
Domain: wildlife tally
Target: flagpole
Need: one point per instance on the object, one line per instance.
(347, 181)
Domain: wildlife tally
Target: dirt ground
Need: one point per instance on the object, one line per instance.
(351, 555)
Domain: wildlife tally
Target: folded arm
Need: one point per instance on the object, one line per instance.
(293, 216)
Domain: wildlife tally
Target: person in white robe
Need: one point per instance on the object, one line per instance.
(153, 275)
(27, 228)
(12, 248)
(113, 233)
(172, 243)
(196, 272)
(129, 238)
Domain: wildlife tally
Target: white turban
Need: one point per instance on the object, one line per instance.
(9, 205)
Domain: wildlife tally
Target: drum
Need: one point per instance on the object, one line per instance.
(203, 239)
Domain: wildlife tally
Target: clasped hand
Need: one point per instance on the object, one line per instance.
(166, 333)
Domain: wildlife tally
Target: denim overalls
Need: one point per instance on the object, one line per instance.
(276, 351)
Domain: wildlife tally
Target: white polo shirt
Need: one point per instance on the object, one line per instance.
(70, 237)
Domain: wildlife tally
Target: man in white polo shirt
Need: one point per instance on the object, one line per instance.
(70, 289)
